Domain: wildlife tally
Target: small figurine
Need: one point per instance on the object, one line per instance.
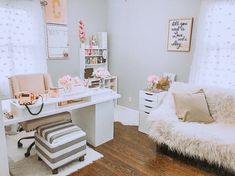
(92, 41)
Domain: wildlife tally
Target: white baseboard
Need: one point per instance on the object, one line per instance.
(133, 112)
(126, 116)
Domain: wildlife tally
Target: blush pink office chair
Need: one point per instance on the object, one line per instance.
(38, 83)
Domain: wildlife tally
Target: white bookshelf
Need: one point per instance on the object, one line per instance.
(92, 57)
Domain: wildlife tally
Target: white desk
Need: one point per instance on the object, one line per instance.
(94, 116)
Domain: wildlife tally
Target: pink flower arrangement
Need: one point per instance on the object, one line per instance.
(101, 73)
(78, 82)
(82, 34)
(158, 82)
(153, 79)
(67, 81)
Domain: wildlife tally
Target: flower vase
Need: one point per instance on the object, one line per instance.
(102, 83)
(67, 89)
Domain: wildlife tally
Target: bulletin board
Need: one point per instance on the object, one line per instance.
(179, 34)
(57, 41)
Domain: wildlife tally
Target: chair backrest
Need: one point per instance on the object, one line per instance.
(37, 83)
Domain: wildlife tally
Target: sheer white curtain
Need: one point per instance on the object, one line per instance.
(22, 40)
(214, 58)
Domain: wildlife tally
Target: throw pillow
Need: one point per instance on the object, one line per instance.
(192, 107)
(221, 104)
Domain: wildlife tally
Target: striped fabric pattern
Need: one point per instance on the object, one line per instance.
(59, 143)
(53, 131)
(54, 149)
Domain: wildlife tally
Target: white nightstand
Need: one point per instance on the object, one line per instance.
(148, 101)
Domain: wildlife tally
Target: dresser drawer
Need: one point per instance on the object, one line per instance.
(146, 108)
(148, 102)
(148, 96)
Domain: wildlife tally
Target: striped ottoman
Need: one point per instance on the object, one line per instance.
(60, 143)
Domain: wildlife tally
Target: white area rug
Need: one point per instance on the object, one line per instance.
(126, 116)
(21, 166)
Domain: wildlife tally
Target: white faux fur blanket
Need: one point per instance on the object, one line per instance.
(213, 142)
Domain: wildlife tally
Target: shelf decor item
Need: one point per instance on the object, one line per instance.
(93, 41)
(157, 83)
(82, 34)
(179, 34)
(101, 73)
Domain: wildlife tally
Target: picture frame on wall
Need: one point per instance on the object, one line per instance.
(180, 34)
(56, 11)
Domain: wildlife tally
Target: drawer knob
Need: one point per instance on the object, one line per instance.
(148, 94)
(146, 112)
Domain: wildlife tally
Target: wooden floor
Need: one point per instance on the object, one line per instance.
(132, 153)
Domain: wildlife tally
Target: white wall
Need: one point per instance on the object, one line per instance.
(94, 14)
(138, 32)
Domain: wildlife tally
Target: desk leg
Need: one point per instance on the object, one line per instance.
(96, 121)
(4, 167)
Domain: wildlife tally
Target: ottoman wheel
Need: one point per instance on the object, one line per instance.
(39, 159)
(54, 171)
(81, 158)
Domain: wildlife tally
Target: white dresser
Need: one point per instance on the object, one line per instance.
(148, 101)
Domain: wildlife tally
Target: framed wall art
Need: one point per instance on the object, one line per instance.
(179, 34)
(56, 11)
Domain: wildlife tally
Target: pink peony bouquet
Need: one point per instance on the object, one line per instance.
(67, 81)
(101, 73)
(78, 82)
(153, 79)
(157, 82)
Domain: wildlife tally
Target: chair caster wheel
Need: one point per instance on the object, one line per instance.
(19, 145)
(81, 158)
(27, 155)
(39, 159)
